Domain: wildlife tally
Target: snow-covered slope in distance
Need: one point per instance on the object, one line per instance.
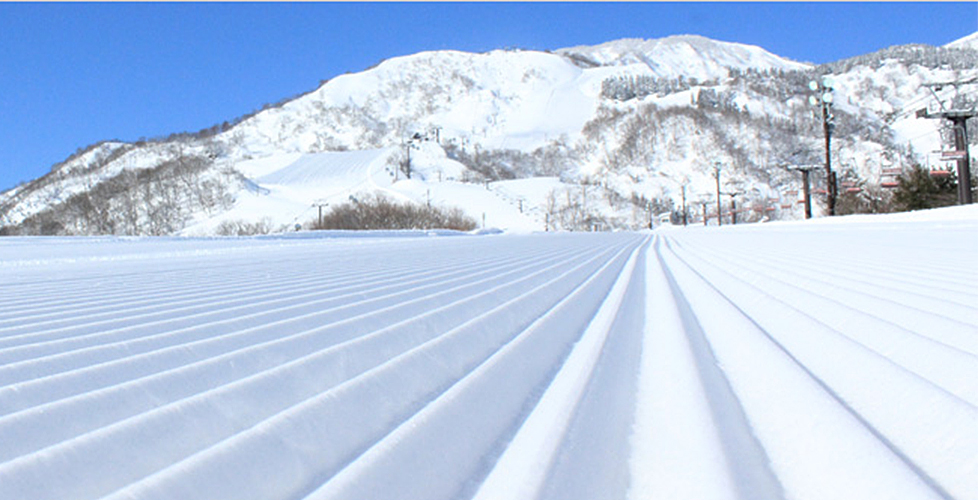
(515, 99)
(289, 189)
(965, 42)
(689, 56)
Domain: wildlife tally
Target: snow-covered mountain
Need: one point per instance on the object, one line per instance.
(595, 137)
(967, 42)
(689, 56)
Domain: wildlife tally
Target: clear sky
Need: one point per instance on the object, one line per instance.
(74, 74)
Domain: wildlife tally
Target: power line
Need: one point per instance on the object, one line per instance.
(909, 108)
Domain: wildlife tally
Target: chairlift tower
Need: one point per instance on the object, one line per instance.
(716, 173)
(733, 205)
(959, 121)
(806, 185)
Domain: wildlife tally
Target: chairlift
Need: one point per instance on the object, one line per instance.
(889, 185)
(854, 190)
(940, 173)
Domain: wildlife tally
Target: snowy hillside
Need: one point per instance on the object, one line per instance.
(688, 56)
(620, 126)
(810, 361)
(968, 42)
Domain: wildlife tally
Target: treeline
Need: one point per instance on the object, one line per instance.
(375, 212)
(553, 160)
(627, 87)
(922, 55)
(153, 201)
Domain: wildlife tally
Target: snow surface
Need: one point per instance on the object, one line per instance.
(965, 42)
(828, 360)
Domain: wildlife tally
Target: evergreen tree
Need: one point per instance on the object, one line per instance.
(918, 190)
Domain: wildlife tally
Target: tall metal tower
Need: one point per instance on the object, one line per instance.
(959, 122)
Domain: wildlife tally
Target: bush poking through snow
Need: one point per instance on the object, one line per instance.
(242, 228)
(381, 212)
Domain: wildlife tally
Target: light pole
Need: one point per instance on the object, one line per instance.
(823, 98)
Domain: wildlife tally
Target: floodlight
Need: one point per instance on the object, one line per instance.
(828, 82)
(827, 97)
(813, 85)
(812, 100)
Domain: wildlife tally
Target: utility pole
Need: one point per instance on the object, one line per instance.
(716, 173)
(959, 121)
(706, 215)
(823, 98)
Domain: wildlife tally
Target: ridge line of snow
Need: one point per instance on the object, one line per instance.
(516, 473)
(256, 434)
(747, 461)
(344, 480)
(827, 374)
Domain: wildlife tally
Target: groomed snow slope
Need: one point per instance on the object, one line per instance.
(286, 190)
(801, 361)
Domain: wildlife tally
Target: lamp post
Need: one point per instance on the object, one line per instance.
(823, 98)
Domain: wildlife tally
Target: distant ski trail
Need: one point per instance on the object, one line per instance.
(748, 362)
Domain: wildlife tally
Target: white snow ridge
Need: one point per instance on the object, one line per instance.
(830, 360)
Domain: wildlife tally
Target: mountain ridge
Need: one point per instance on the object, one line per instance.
(520, 114)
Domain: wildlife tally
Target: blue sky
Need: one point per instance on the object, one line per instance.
(74, 74)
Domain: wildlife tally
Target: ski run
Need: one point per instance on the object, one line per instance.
(829, 359)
